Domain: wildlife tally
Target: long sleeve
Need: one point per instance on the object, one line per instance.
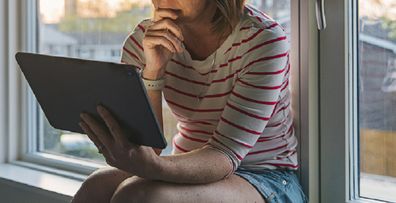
(254, 95)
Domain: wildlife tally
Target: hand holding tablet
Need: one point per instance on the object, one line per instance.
(66, 87)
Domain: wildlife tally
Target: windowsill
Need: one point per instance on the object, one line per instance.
(50, 184)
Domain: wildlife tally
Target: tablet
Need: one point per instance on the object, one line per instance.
(66, 87)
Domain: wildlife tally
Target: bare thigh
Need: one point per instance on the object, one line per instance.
(100, 185)
(232, 189)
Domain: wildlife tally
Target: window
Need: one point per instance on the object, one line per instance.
(357, 102)
(83, 29)
(377, 99)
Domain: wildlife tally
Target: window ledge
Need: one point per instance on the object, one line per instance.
(54, 185)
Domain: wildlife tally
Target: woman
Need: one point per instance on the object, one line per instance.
(223, 68)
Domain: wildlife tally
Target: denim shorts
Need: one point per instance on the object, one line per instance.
(276, 186)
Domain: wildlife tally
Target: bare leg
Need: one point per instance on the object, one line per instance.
(100, 185)
(232, 189)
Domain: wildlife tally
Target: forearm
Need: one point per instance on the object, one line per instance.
(201, 166)
(155, 98)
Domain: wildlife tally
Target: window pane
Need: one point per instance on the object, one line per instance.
(88, 29)
(377, 99)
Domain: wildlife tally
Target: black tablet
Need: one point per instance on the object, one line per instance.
(66, 87)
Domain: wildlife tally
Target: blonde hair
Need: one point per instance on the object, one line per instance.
(227, 15)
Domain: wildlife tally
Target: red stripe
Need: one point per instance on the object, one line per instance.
(287, 84)
(194, 110)
(131, 54)
(228, 77)
(199, 122)
(136, 42)
(192, 68)
(251, 13)
(247, 113)
(266, 73)
(179, 148)
(196, 96)
(240, 127)
(245, 40)
(267, 150)
(265, 139)
(265, 15)
(196, 131)
(186, 79)
(181, 119)
(236, 141)
(261, 87)
(142, 28)
(267, 43)
(267, 58)
(274, 125)
(181, 64)
(181, 92)
(218, 95)
(191, 138)
(277, 111)
(252, 100)
(236, 154)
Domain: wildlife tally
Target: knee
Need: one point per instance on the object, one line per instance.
(93, 185)
(136, 189)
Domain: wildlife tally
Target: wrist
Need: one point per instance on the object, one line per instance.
(159, 169)
(152, 74)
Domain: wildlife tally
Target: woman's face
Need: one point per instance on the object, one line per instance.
(187, 10)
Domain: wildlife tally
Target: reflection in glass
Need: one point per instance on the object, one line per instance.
(377, 99)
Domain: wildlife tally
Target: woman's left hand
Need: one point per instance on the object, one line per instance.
(117, 150)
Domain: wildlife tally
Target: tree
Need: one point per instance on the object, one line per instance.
(123, 21)
(383, 10)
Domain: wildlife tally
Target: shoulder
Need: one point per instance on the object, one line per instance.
(142, 26)
(259, 26)
(138, 32)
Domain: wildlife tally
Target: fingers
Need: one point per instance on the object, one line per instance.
(164, 13)
(152, 41)
(112, 124)
(167, 24)
(97, 129)
(92, 137)
(174, 41)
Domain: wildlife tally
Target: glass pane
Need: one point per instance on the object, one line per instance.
(377, 99)
(89, 29)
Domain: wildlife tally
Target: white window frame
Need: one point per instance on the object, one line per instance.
(16, 122)
(338, 104)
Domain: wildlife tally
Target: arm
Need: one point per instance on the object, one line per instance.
(155, 97)
(204, 165)
(244, 118)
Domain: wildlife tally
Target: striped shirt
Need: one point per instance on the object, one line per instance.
(236, 100)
